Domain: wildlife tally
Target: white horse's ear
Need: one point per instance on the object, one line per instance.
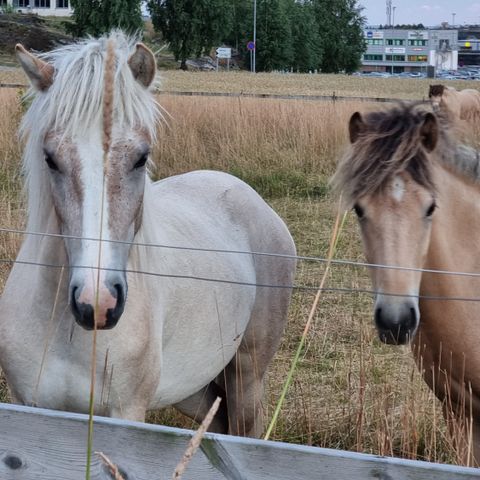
(429, 132)
(355, 126)
(38, 71)
(143, 65)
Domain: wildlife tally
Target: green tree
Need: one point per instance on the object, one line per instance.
(274, 50)
(95, 17)
(191, 26)
(241, 31)
(306, 39)
(341, 25)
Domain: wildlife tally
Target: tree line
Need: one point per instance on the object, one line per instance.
(303, 36)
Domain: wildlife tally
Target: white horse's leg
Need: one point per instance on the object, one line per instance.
(197, 405)
(135, 413)
(244, 375)
(244, 390)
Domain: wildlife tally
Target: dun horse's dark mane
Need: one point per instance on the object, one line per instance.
(436, 90)
(391, 143)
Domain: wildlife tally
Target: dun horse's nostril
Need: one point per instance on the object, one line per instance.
(412, 319)
(380, 322)
(13, 462)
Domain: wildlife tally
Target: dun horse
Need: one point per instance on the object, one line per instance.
(417, 198)
(463, 104)
(162, 340)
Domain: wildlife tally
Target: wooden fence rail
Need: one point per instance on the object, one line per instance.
(274, 96)
(38, 444)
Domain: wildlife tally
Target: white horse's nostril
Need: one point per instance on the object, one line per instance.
(104, 307)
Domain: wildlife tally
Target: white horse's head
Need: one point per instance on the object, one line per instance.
(90, 128)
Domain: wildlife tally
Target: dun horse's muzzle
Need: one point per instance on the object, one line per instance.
(396, 324)
(109, 307)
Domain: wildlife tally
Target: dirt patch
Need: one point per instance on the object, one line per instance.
(30, 30)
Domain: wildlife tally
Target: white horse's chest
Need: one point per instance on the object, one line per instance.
(60, 378)
(197, 347)
(193, 335)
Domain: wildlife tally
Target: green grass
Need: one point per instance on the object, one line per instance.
(283, 183)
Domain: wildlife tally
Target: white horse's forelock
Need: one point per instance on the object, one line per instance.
(73, 103)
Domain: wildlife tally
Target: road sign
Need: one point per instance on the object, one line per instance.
(251, 46)
(224, 52)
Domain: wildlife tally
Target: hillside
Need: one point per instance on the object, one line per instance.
(34, 32)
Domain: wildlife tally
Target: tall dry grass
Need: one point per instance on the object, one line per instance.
(287, 84)
(280, 147)
(11, 199)
(349, 391)
(12, 212)
(300, 84)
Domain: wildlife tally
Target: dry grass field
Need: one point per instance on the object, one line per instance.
(285, 84)
(349, 391)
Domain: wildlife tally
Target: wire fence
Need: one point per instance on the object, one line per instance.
(297, 287)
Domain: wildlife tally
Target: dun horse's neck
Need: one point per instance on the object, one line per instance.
(447, 339)
(456, 225)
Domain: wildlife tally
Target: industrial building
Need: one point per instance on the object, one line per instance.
(395, 50)
(469, 45)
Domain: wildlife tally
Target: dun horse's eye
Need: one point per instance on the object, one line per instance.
(141, 162)
(431, 209)
(358, 210)
(51, 162)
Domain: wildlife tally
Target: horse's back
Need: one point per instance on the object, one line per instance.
(202, 194)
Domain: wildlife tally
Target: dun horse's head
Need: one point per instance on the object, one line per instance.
(90, 129)
(435, 93)
(386, 177)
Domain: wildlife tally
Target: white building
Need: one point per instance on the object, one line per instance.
(57, 8)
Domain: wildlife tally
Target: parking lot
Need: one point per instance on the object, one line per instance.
(470, 72)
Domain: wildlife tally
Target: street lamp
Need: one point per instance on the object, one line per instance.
(393, 27)
(254, 34)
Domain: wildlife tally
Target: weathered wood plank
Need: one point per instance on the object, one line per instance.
(37, 444)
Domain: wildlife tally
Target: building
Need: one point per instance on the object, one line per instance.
(58, 8)
(398, 50)
(469, 45)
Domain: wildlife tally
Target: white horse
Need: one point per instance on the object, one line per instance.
(179, 341)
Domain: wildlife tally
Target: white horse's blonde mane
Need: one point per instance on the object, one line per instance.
(74, 102)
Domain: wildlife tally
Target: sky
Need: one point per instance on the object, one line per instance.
(428, 12)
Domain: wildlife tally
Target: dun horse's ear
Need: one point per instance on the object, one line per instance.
(429, 132)
(38, 71)
(143, 65)
(355, 126)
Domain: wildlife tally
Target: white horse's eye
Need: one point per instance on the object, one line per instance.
(141, 162)
(51, 162)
